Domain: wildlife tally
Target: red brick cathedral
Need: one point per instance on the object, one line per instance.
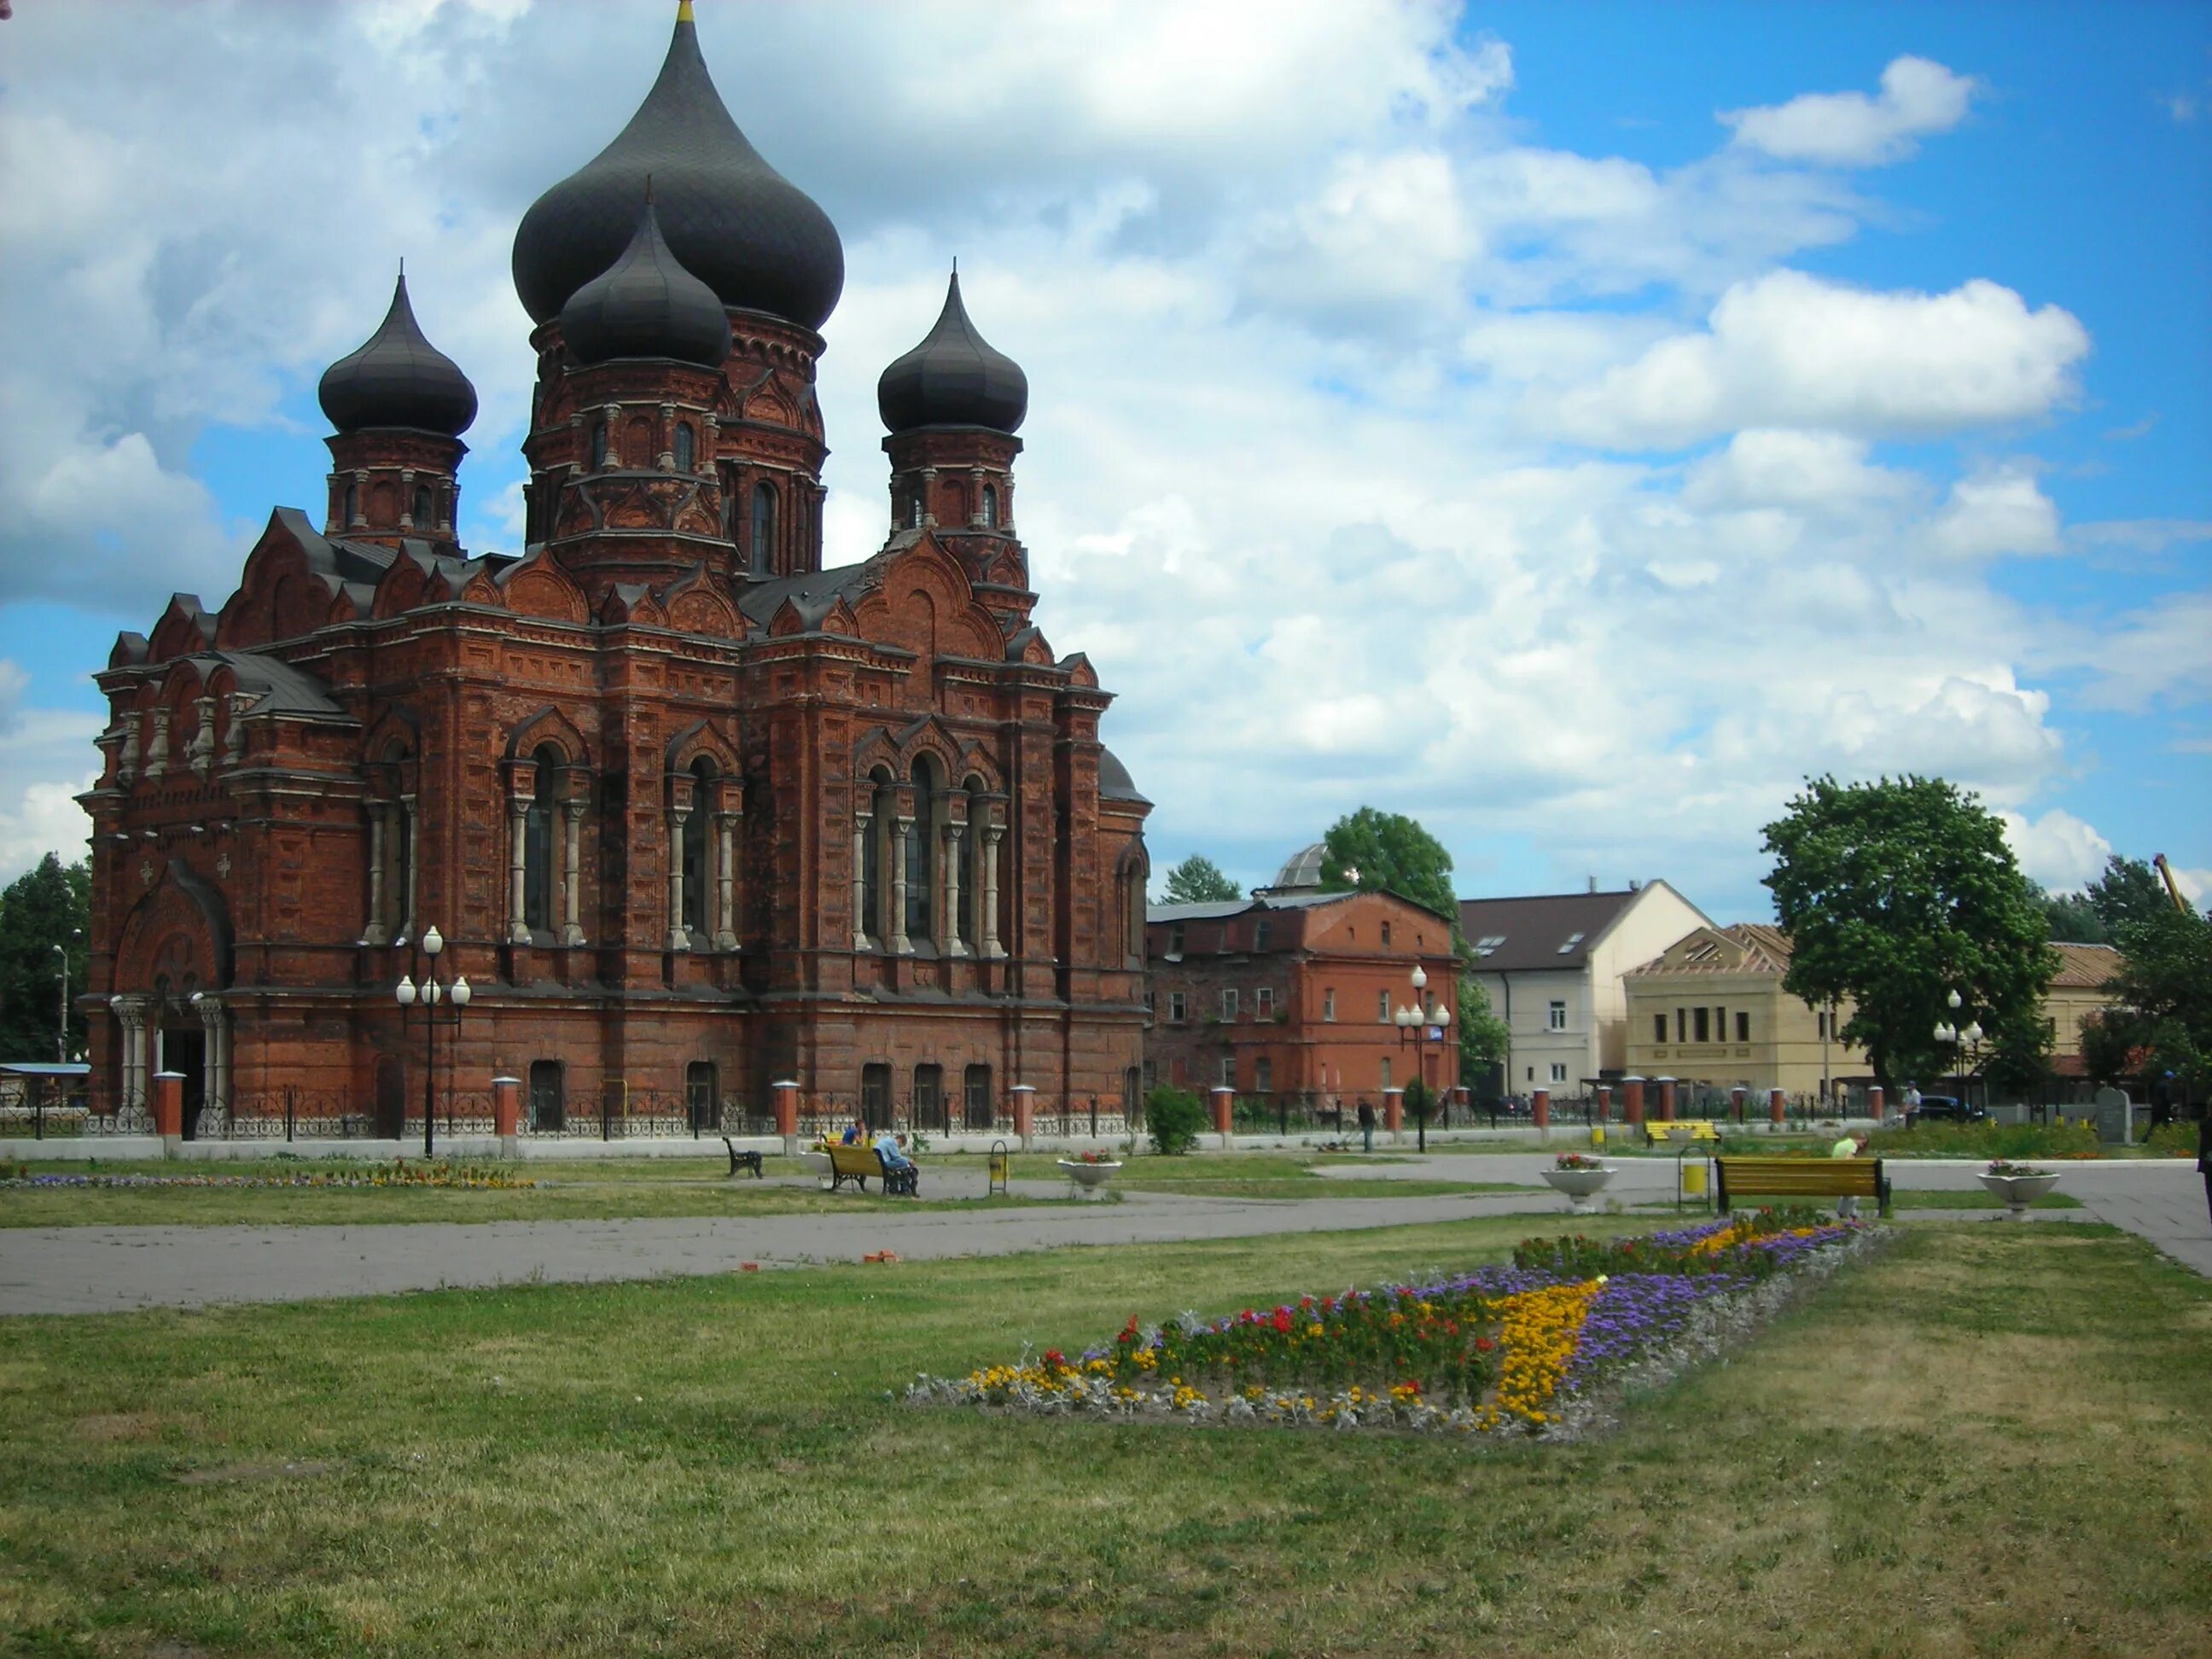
(690, 813)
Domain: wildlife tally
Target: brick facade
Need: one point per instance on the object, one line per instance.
(656, 782)
(1315, 980)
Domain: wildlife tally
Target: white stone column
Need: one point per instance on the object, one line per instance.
(861, 821)
(678, 938)
(726, 880)
(974, 498)
(130, 1014)
(902, 827)
(518, 831)
(157, 752)
(359, 515)
(572, 875)
(126, 762)
(215, 1108)
(991, 946)
(375, 932)
(200, 753)
(949, 933)
(929, 496)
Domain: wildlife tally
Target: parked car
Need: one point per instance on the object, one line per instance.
(1945, 1109)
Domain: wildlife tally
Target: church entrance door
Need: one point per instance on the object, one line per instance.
(929, 1097)
(184, 1051)
(390, 1097)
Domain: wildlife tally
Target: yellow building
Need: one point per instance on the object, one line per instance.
(1711, 1010)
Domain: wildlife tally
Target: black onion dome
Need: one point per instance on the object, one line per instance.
(735, 222)
(646, 304)
(953, 378)
(398, 378)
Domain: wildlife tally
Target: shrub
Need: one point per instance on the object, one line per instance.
(2174, 1140)
(1987, 1140)
(1173, 1119)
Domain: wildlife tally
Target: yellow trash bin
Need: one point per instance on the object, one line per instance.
(1693, 1177)
(1597, 1135)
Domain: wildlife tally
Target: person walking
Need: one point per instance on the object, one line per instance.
(1847, 1208)
(1367, 1126)
(2204, 1153)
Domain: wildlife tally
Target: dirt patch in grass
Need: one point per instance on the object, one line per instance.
(230, 1474)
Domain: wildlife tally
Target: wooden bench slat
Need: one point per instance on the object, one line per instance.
(1802, 1177)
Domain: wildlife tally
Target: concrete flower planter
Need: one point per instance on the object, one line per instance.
(2018, 1191)
(1580, 1186)
(1092, 1177)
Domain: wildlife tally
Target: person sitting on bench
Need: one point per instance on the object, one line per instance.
(893, 1153)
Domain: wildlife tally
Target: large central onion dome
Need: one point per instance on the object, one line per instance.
(398, 377)
(646, 304)
(754, 238)
(953, 378)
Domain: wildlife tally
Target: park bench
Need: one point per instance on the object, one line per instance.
(1802, 1177)
(1696, 1130)
(746, 1160)
(861, 1164)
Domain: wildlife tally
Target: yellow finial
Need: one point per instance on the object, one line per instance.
(683, 11)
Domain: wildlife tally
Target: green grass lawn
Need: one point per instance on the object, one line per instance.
(1989, 1441)
(1259, 1175)
(571, 1191)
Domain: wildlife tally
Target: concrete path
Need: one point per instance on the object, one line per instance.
(63, 1270)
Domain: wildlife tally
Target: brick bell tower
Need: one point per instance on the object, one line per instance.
(399, 405)
(951, 406)
(645, 457)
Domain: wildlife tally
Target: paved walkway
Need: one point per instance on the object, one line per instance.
(61, 1270)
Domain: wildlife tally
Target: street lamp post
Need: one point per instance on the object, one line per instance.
(1964, 1047)
(1419, 1024)
(428, 996)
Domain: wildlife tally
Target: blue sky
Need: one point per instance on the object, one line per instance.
(1569, 423)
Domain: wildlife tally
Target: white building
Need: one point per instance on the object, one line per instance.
(1552, 965)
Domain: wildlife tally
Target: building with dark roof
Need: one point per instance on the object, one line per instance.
(1552, 965)
(690, 812)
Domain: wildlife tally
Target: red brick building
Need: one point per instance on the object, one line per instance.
(690, 812)
(1294, 993)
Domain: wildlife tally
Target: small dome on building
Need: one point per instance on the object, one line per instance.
(953, 378)
(1115, 782)
(646, 304)
(398, 378)
(736, 223)
(1302, 868)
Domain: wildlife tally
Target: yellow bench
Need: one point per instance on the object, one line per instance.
(1694, 1129)
(1802, 1177)
(861, 1164)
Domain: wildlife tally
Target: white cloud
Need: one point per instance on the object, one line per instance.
(1788, 350)
(1994, 510)
(46, 758)
(2056, 849)
(2144, 658)
(1849, 129)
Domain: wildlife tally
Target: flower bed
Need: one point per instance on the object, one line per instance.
(402, 1174)
(1498, 1351)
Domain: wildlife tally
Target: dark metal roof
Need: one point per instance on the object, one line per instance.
(1115, 782)
(734, 221)
(1542, 930)
(646, 304)
(283, 688)
(955, 377)
(398, 377)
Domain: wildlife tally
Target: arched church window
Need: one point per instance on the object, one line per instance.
(686, 446)
(537, 829)
(352, 500)
(764, 547)
(920, 855)
(883, 806)
(422, 507)
(598, 445)
(913, 510)
(695, 872)
(971, 845)
(990, 506)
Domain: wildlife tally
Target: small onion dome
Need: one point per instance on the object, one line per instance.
(646, 304)
(953, 378)
(736, 223)
(398, 378)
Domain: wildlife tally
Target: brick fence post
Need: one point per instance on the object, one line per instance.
(1776, 1100)
(1021, 1098)
(785, 1097)
(1540, 1104)
(1225, 1112)
(1735, 1104)
(1604, 1103)
(169, 1111)
(1666, 1099)
(1631, 1101)
(507, 1114)
(1874, 1103)
(1394, 1112)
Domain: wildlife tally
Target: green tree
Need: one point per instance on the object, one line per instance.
(1173, 1119)
(1388, 851)
(47, 905)
(1896, 894)
(2162, 1017)
(1199, 880)
(1483, 1036)
(2072, 916)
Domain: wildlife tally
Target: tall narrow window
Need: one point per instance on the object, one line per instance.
(1701, 1023)
(1329, 1005)
(538, 831)
(876, 1096)
(700, 1096)
(1386, 1071)
(921, 916)
(1743, 1026)
(883, 804)
(422, 507)
(1658, 1028)
(764, 547)
(352, 500)
(686, 446)
(549, 1103)
(976, 1102)
(990, 506)
(697, 873)
(926, 1109)
(600, 447)
(1555, 1017)
(1383, 1006)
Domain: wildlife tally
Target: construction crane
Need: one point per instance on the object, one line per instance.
(2172, 887)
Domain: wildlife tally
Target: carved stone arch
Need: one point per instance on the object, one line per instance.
(484, 588)
(952, 623)
(1080, 672)
(537, 586)
(928, 736)
(180, 929)
(696, 605)
(976, 762)
(876, 753)
(633, 603)
(841, 620)
(703, 738)
(549, 725)
(394, 735)
(785, 621)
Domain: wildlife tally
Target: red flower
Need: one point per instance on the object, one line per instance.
(1483, 1344)
(1283, 1319)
